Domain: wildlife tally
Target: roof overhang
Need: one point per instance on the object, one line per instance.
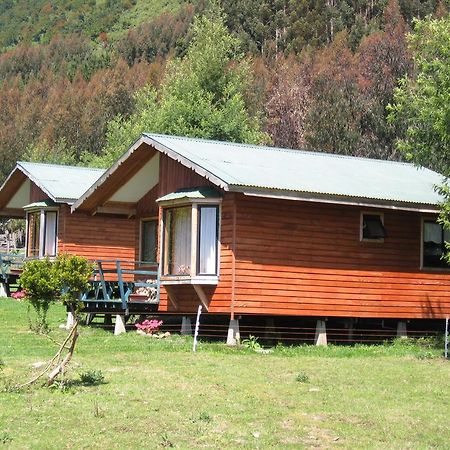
(108, 187)
(337, 200)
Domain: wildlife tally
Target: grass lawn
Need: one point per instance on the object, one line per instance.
(159, 394)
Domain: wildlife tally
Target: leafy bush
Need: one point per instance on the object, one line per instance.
(252, 343)
(302, 377)
(45, 281)
(92, 378)
(41, 286)
(72, 274)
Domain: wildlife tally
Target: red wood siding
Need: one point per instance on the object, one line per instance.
(36, 193)
(96, 237)
(306, 259)
(174, 176)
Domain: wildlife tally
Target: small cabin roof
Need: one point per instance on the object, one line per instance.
(62, 184)
(292, 174)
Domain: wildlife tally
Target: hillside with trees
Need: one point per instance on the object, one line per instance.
(314, 75)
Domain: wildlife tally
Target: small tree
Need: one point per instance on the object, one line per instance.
(41, 287)
(45, 281)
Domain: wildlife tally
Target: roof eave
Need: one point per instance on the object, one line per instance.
(78, 204)
(36, 181)
(338, 199)
(186, 162)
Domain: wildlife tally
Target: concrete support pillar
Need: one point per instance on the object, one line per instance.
(3, 290)
(70, 320)
(401, 330)
(119, 328)
(234, 336)
(321, 333)
(349, 325)
(186, 326)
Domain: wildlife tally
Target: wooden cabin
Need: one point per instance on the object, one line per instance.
(43, 195)
(249, 230)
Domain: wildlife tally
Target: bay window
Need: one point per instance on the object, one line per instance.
(190, 247)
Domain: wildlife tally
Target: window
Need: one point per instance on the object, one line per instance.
(34, 223)
(434, 238)
(178, 235)
(190, 246)
(207, 238)
(372, 227)
(149, 232)
(41, 233)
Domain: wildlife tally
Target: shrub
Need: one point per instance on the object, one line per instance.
(41, 287)
(92, 378)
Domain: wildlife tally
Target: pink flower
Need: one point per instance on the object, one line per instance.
(149, 326)
(19, 295)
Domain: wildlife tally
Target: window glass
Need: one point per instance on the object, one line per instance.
(373, 227)
(178, 241)
(33, 236)
(207, 263)
(434, 238)
(50, 234)
(149, 240)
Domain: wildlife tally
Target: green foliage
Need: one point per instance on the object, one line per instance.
(203, 95)
(72, 273)
(40, 283)
(251, 343)
(46, 281)
(92, 378)
(302, 377)
(422, 103)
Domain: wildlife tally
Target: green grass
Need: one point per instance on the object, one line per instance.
(158, 394)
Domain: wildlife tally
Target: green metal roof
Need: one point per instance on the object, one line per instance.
(259, 169)
(39, 205)
(63, 184)
(191, 194)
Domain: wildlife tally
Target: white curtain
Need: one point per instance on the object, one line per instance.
(50, 234)
(181, 241)
(208, 240)
(432, 232)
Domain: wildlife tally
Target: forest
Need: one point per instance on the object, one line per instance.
(319, 74)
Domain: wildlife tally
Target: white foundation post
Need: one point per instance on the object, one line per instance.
(70, 320)
(186, 326)
(234, 336)
(3, 290)
(321, 333)
(401, 330)
(119, 327)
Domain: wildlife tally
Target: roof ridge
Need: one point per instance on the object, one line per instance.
(286, 150)
(61, 166)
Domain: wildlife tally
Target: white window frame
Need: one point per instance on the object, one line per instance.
(361, 223)
(193, 277)
(42, 229)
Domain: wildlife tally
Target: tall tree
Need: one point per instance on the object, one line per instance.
(422, 102)
(203, 95)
